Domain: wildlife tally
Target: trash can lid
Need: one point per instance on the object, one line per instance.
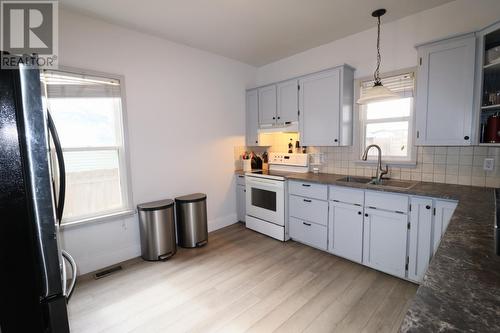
(156, 205)
(191, 198)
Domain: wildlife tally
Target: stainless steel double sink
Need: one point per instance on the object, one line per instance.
(383, 183)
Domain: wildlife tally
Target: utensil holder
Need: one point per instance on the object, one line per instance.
(247, 165)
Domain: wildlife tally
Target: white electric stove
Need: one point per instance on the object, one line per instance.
(267, 194)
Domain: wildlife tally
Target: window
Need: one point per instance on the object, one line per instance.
(389, 123)
(87, 112)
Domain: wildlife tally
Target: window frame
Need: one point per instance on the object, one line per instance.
(123, 156)
(360, 122)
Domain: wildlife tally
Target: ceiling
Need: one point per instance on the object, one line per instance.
(255, 32)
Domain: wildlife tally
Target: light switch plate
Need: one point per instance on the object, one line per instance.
(489, 164)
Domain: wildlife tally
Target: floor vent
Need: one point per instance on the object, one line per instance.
(107, 271)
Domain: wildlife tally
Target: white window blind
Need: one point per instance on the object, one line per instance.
(389, 123)
(69, 85)
(402, 84)
(87, 112)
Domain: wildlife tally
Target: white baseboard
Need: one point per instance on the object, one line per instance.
(112, 256)
(96, 262)
(222, 222)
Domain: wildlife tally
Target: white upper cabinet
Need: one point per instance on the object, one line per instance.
(445, 92)
(288, 102)
(325, 106)
(420, 247)
(252, 118)
(267, 105)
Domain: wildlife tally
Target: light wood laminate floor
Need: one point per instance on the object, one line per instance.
(242, 281)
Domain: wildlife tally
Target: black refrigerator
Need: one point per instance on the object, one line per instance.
(33, 293)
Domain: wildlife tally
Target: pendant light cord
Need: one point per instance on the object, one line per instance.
(376, 74)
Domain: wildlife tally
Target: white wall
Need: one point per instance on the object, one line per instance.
(185, 115)
(186, 107)
(398, 39)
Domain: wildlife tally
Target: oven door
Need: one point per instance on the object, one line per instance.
(265, 199)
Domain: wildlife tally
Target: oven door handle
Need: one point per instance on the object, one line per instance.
(274, 183)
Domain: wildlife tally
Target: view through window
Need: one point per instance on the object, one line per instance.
(389, 123)
(87, 112)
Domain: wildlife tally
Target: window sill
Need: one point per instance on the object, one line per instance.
(98, 219)
(393, 164)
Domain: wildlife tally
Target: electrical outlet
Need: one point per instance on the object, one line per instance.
(489, 164)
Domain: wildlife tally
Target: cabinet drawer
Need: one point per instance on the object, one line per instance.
(240, 179)
(390, 202)
(347, 195)
(308, 233)
(310, 190)
(312, 210)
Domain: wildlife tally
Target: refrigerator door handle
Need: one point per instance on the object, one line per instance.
(61, 167)
(69, 291)
(64, 275)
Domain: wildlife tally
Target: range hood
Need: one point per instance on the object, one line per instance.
(286, 127)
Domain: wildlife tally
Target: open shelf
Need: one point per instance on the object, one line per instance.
(490, 107)
(493, 65)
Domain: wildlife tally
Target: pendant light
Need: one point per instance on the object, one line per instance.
(378, 92)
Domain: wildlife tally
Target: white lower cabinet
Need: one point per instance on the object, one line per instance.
(394, 233)
(420, 247)
(241, 210)
(240, 202)
(443, 210)
(309, 209)
(345, 234)
(384, 241)
(308, 233)
(429, 219)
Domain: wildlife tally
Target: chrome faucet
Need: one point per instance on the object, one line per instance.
(380, 172)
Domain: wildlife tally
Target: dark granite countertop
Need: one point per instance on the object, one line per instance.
(461, 289)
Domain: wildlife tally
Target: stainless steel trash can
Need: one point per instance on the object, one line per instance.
(191, 213)
(157, 229)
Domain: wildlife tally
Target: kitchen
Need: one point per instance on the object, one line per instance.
(187, 116)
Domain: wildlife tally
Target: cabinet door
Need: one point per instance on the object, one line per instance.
(443, 210)
(319, 105)
(420, 238)
(240, 202)
(288, 101)
(445, 92)
(267, 105)
(252, 118)
(345, 231)
(384, 241)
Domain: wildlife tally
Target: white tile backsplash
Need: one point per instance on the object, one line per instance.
(452, 165)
